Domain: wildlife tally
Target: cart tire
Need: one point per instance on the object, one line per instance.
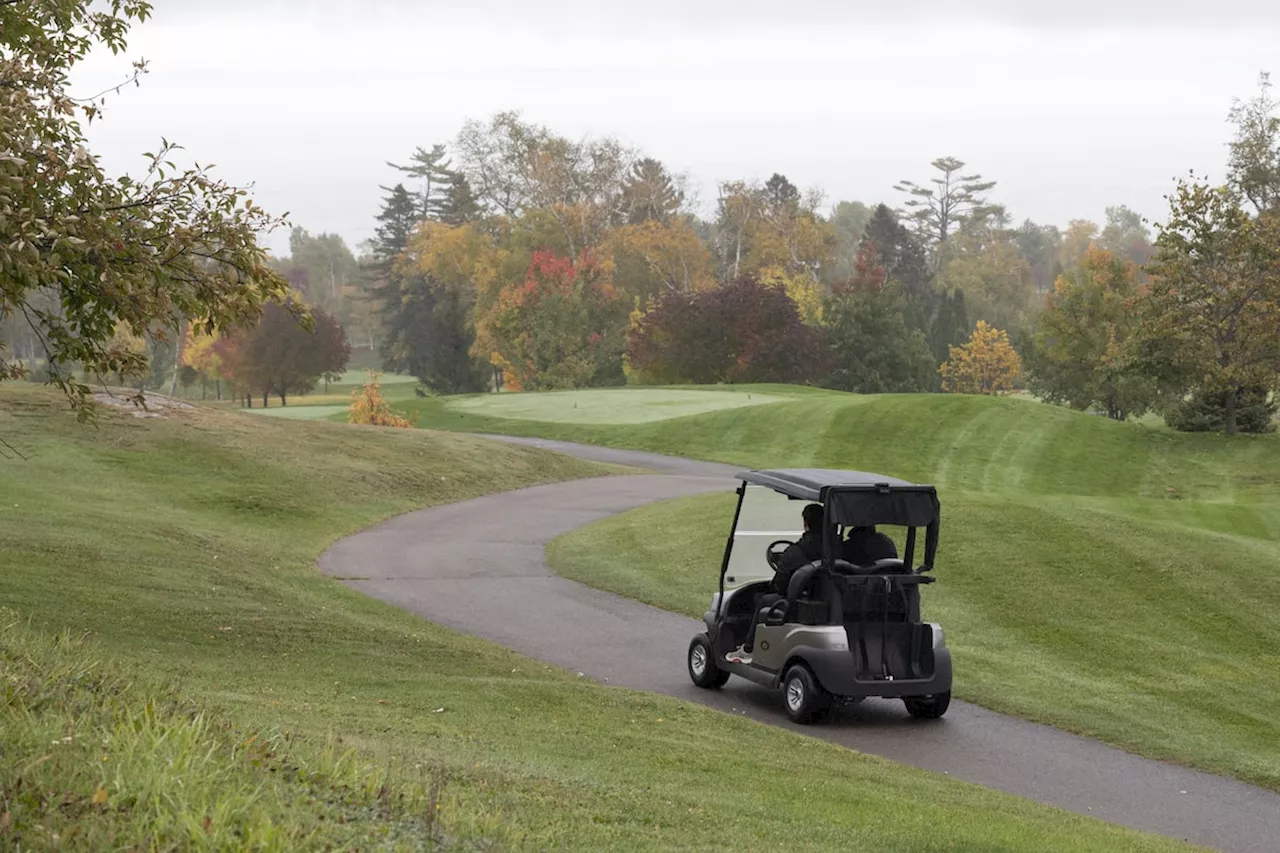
(927, 707)
(702, 664)
(804, 698)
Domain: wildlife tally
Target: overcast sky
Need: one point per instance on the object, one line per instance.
(1070, 106)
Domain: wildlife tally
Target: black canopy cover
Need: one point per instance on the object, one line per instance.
(855, 498)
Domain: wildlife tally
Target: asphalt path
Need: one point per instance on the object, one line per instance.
(478, 567)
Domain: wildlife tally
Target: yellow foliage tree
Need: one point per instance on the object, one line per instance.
(368, 406)
(653, 257)
(201, 355)
(803, 288)
(986, 364)
(127, 353)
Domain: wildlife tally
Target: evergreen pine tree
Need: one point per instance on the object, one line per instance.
(907, 265)
(951, 326)
(460, 204)
(432, 169)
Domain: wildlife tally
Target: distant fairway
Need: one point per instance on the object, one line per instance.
(300, 412)
(611, 406)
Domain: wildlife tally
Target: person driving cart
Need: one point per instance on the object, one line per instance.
(866, 545)
(798, 555)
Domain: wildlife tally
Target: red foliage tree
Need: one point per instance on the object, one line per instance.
(743, 331)
(562, 328)
(869, 275)
(278, 356)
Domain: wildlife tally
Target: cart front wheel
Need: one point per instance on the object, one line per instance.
(702, 664)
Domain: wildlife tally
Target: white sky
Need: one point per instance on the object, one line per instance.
(1069, 106)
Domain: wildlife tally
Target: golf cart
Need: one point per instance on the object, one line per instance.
(843, 632)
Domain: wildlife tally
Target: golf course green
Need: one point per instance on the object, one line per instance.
(214, 691)
(1116, 580)
(608, 406)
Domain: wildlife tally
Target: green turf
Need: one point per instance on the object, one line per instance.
(186, 549)
(613, 406)
(1112, 579)
(306, 412)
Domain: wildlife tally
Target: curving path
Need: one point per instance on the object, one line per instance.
(478, 567)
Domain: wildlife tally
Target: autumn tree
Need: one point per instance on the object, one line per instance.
(1080, 355)
(848, 221)
(936, 212)
(743, 331)
(281, 356)
(871, 349)
(1126, 236)
(738, 206)
(128, 348)
(788, 235)
(202, 355)
(654, 256)
(514, 167)
(997, 282)
(1214, 301)
(561, 328)
(906, 263)
(430, 333)
(1039, 245)
(321, 267)
(1077, 240)
(369, 407)
(1254, 164)
(143, 251)
(987, 364)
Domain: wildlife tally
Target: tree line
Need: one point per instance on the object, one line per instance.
(514, 257)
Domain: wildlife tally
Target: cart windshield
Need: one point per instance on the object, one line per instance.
(766, 516)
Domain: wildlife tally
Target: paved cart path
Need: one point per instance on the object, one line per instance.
(478, 567)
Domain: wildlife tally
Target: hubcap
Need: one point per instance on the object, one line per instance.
(698, 660)
(795, 694)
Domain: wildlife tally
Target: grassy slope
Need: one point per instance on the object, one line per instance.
(186, 548)
(1077, 589)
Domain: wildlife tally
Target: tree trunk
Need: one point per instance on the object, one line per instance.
(265, 393)
(283, 401)
(1232, 399)
(218, 383)
(177, 363)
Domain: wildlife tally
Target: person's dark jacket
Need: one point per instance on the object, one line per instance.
(864, 547)
(798, 555)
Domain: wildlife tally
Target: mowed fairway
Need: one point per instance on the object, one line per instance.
(306, 716)
(607, 406)
(1117, 580)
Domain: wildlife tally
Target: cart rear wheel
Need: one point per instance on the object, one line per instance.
(927, 707)
(805, 699)
(702, 664)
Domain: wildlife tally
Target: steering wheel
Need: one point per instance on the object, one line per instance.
(772, 556)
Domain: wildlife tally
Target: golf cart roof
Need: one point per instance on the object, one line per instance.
(855, 498)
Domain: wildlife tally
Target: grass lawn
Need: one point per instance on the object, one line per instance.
(230, 697)
(1112, 579)
(304, 412)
